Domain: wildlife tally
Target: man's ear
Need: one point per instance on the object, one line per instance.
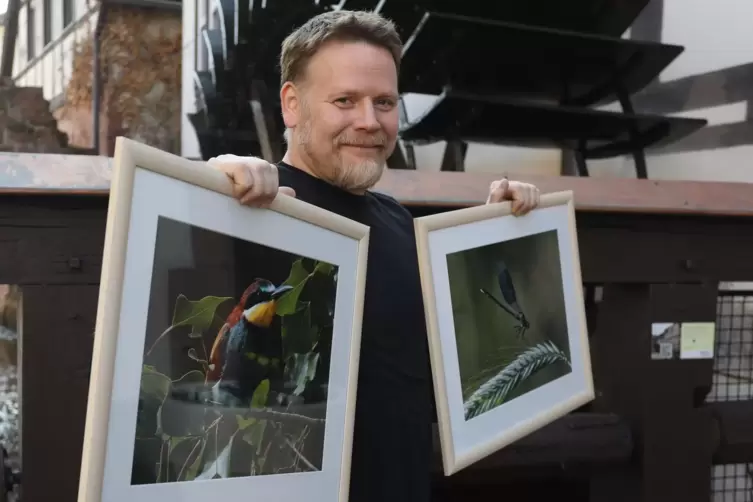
(291, 104)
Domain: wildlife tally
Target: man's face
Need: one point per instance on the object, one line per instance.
(344, 115)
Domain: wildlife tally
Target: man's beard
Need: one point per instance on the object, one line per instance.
(353, 176)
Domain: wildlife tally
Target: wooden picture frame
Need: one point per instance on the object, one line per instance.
(282, 377)
(501, 371)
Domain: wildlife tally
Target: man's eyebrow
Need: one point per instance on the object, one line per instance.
(349, 92)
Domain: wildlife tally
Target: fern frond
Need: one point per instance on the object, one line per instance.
(496, 389)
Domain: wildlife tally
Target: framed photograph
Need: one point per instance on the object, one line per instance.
(226, 345)
(506, 323)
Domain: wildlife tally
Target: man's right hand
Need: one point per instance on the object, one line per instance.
(255, 181)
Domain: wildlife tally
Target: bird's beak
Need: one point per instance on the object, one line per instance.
(281, 290)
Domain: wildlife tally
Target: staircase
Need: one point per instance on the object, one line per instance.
(536, 73)
(26, 123)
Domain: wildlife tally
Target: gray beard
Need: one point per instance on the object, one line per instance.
(349, 177)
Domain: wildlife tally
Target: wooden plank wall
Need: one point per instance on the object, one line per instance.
(52, 246)
(54, 251)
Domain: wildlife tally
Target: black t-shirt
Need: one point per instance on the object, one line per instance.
(394, 363)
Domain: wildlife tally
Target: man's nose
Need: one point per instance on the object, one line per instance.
(367, 117)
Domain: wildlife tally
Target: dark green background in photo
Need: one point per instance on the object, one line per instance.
(485, 334)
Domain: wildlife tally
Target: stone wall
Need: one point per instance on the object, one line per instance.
(141, 80)
(26, 124)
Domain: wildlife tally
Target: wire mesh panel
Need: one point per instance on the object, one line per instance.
(732, 483)
(733, 364)
(733, 381)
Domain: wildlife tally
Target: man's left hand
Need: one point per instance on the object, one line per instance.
(524, 196)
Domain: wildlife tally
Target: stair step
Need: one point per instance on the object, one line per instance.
(493, 57)
(595, 17)
(508, 122)
(269, 27)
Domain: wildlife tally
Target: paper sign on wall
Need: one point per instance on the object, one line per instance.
(686, 340)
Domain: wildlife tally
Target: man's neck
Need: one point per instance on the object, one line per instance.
(294, 160)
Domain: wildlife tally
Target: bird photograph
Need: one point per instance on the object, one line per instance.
(236, 362)
(509, 316)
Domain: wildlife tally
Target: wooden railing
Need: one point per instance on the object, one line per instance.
(656, 251)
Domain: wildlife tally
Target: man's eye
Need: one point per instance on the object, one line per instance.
(385, 103)
(342, 101)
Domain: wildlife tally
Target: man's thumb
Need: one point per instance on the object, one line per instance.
(286, 191)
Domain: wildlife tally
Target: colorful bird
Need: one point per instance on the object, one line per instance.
(507, 288)
(248, 347)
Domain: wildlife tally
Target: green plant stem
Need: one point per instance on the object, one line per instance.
(299, 454)
(188, 458)
(159, 338)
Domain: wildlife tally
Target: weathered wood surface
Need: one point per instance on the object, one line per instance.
(80, 174)
(52, 245)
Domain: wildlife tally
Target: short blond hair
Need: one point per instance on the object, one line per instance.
(336, 26)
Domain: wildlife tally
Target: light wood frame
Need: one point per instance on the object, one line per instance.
(130, 158)
(555, 211)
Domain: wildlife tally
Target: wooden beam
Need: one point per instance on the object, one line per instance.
(577, 439)
(84, 174)
(452, 189)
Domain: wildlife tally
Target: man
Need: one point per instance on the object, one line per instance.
(340, 107)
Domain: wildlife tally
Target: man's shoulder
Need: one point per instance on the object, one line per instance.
(284, 172)
(391, 204)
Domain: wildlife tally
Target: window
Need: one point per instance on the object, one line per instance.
(67, 13)
(47, 19)
(31, 17)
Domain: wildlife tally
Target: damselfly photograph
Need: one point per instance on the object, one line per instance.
(510, 323)
(506, 323)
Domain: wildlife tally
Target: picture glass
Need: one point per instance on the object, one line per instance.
(234, 352)
(511, 331)
(510, 321)
(236, 359)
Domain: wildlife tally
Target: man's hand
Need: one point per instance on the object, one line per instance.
(524, 196)
(255, 181)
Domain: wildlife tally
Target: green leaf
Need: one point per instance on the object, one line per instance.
(255, 435)
(197, 314)
(153, 391)
(298, 335)
(259, 399)
(323, 267)
(301, 370)
(154, 383)
(173, 442)
(297, 278)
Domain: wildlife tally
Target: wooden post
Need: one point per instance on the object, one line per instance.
(9, 38)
